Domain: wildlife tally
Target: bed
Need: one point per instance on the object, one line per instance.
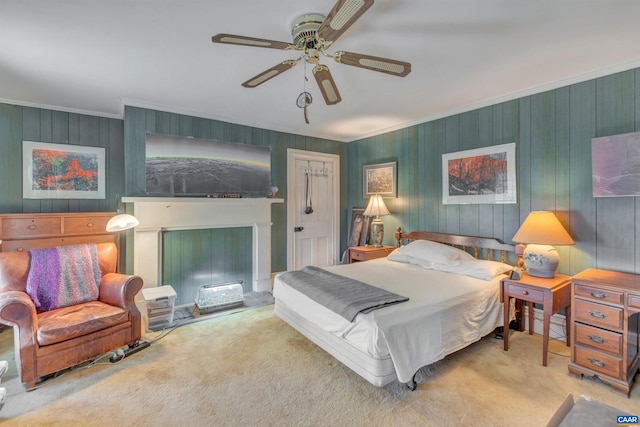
(452, 283)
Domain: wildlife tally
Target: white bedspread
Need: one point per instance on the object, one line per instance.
(445, 312)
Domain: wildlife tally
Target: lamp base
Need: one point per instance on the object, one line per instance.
(541, 260)
(377, 232)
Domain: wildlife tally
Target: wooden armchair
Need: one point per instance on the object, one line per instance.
(49, 341)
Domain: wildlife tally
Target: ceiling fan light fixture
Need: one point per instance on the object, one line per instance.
(313, 34)
(304, 29)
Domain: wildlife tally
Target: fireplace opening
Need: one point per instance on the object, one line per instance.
(192, 259)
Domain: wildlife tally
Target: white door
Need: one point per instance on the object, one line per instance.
(313, 209)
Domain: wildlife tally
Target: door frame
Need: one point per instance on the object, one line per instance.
(334, 159)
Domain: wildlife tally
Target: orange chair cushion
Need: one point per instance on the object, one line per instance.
(70, 322)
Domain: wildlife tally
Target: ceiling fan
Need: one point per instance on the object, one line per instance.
(312, 35)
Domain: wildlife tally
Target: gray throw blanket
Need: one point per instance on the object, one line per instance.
(345, 296)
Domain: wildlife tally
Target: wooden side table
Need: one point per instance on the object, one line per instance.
(554, 294)
(366, 253)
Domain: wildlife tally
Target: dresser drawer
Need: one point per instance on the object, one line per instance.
(603, 340)
(599, 294)
(598, 314)
(599, 362)
(634, 301)
(85, 224)
(30, 227)
(524, 293)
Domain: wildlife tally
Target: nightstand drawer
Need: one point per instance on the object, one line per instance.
(599, 362)
(525, 293)
(598, 294)
(358, 256)
(603, 340)
(598, 314)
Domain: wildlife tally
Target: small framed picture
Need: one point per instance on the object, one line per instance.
(380, 179)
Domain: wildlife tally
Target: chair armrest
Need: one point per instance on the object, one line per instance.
(120, 290)
(17, 309)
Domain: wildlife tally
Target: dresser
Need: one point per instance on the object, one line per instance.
(606, 307)
(22, 232)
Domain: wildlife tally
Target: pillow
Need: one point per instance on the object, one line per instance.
(478, 268)
(400, 257)
(432, 252)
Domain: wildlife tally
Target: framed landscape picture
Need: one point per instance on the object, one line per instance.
(62, 171)
(380, 179)
(480, 176)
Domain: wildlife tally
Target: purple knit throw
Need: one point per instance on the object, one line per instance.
(63, 276)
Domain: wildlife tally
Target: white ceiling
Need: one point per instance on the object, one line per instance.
(95, 56)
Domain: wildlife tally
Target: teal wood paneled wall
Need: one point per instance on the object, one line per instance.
(138, 121)
(553, 132)
(19, 123)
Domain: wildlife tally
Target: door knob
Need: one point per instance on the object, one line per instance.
(296, 229)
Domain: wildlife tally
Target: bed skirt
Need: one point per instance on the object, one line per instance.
(378, 372)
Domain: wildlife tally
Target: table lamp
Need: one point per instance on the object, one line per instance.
(376, 208)
(118, 223)
(540, 230)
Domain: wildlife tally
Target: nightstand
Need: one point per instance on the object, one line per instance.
(366, 253)
(554, 294)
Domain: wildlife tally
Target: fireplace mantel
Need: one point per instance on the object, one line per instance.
(158, 214)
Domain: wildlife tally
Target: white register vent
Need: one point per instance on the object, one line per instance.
(219, 296)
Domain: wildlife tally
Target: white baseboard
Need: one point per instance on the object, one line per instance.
(557, 329)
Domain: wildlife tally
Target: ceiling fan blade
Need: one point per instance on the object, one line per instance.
(250, 41)
(375, 63)
(269, 74)
(327, 85)
(341, 17)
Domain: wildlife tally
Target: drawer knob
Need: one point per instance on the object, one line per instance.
(90, 224)
(525, 292)
(597, 362)
(597, 314)
(20, 250)
(597, 294)
(33, 227)
(597, 339)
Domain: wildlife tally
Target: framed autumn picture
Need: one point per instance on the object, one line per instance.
(62, 171)
(480, 176)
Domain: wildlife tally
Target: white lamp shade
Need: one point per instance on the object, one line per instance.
(376, 207)
(122, 222)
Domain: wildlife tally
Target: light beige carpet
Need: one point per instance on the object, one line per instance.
(252, 369)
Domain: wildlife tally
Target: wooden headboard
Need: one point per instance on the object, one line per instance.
(477, 244)
(23, 232)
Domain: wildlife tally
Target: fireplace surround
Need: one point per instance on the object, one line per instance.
(158, 214)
